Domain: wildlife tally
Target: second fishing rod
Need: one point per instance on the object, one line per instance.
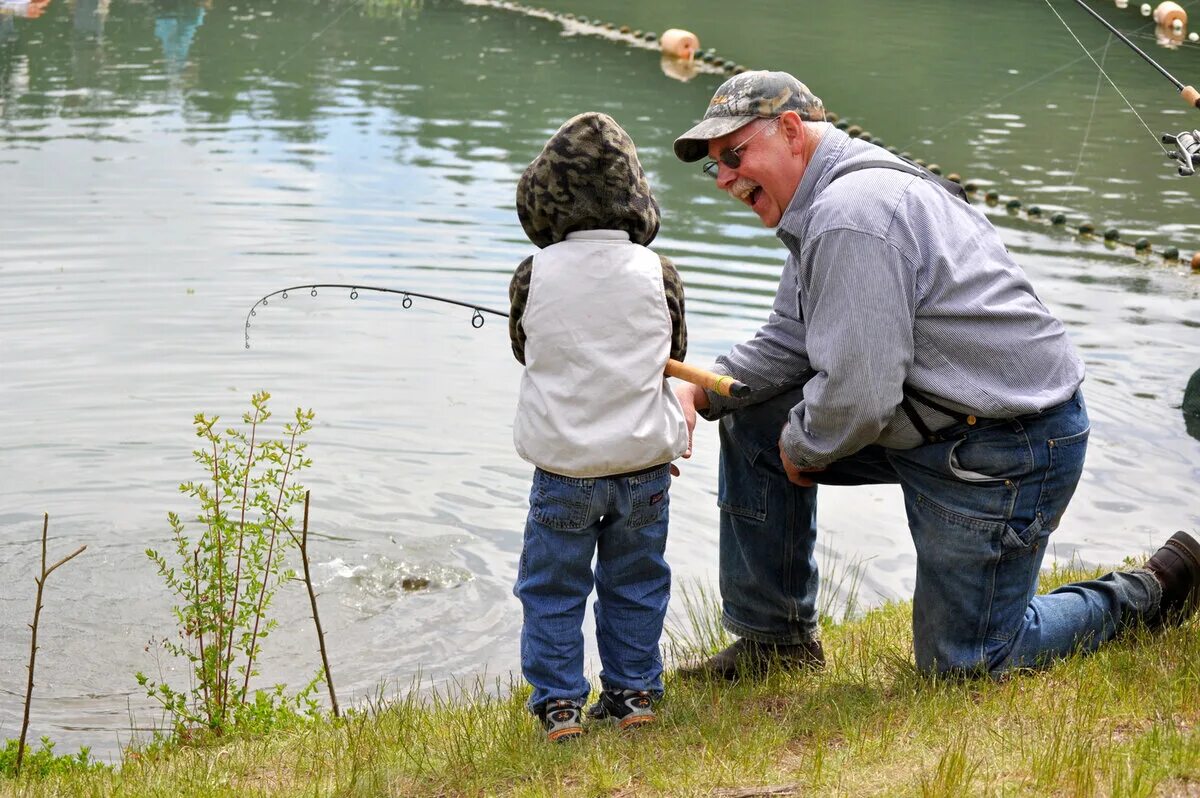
(718, 383)
(1188, 141)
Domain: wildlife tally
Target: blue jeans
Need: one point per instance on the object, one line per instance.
(623, 521)
(981, 506)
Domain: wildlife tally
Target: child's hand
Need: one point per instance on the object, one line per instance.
(691, 397)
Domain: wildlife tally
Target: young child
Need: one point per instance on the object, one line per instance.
(595, 314)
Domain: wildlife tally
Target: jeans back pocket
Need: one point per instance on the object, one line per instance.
(561, 503)
(649, 496)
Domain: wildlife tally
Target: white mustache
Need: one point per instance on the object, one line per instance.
(741, 187)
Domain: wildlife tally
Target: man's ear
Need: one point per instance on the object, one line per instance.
(793, 128)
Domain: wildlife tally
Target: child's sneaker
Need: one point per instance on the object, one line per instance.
(628, 708)
(561, 720)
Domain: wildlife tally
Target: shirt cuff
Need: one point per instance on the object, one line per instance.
(793, 446)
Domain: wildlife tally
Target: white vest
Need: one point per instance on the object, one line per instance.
(594, 401)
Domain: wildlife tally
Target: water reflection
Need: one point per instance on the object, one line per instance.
(29, 9)
(682, 69)
(175, 25)
(89, 17)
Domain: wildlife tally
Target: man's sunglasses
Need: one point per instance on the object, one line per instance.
(729, 156)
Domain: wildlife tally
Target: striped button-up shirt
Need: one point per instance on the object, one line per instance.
(891, 281)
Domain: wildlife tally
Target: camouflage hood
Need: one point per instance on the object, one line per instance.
(587, 177)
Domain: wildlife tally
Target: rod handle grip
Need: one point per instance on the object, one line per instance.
(717, 383)
(1190, 96)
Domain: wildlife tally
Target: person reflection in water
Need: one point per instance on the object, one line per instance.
(176, 26)
(89, 17)
(29, 9)
(8, 32)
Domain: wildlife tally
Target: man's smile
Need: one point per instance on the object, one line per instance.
(744, 189)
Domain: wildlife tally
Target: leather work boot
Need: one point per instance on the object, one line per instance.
(753, 659)
(1177, 567)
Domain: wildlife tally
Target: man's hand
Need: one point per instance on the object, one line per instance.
(795, 474)
(691, 398)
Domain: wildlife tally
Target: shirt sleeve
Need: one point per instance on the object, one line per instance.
(774, 360)
(673, 287)
(518, 296)
(859, 300)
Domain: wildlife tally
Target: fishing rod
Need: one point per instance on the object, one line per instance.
(1188, 141)
(717, 383)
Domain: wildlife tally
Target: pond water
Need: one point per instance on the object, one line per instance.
(164, 163)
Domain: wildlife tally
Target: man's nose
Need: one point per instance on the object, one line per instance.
(725, 176)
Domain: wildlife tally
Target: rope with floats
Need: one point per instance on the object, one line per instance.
(718, 383)
(709, 62)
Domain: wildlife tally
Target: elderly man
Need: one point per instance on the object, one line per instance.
(904, 346)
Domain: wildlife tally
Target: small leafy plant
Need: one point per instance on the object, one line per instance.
(225, 578)
(43, 761)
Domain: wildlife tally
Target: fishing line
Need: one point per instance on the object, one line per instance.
(996, 101)
(1087, 131)
(1110, 80)
(349, 7)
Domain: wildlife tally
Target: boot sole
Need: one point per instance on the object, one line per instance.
(634, 721)
(560, 735)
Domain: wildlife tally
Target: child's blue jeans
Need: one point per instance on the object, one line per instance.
(622, 520)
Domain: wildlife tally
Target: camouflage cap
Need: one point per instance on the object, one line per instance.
(744, 98)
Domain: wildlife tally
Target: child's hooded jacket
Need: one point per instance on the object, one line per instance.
(596, 326)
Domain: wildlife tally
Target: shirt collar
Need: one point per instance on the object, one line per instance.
(598, 235)
(830, 151)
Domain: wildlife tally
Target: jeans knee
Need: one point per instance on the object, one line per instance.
(942, 666)
(943, 660)
(939, 655)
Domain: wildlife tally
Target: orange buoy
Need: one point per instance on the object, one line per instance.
(1170, 15)
(1170, 37)
(1196, 262)
(679, 43)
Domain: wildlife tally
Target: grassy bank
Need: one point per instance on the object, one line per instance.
(1120, 722)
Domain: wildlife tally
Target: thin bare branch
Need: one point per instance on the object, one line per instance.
(69, 557)
(312, 597)
(37, 612)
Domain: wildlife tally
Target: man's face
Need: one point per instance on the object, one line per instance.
(770, 169)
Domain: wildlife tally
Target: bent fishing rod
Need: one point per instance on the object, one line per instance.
(718, 383)
(1188, 141)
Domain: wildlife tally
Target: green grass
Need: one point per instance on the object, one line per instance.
(1122, 722)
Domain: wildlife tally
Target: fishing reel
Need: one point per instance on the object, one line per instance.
(1188, 154)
